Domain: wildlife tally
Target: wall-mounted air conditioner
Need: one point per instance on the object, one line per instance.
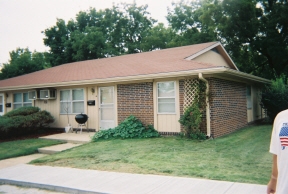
(48, 94)
(33, 95)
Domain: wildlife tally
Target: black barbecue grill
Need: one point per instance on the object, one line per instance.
(81, 119)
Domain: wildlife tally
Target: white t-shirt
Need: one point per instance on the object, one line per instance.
(279, 147)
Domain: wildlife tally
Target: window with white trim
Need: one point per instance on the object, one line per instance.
(248, 97)
(20, 100)
(166, 97)
(72, 101)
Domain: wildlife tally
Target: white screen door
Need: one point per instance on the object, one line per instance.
(106, 108)
(1, 104)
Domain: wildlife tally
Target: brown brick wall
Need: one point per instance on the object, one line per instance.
(228, 106)
(137, 100)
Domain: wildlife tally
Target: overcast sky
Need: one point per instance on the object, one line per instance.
(21, 21)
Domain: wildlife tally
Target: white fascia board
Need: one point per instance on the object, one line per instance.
(232, 62)
(202, 51)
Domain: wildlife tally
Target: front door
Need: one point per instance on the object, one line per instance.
(106, 107)
(1, 104)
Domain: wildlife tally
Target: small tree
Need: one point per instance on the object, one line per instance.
(274, 97)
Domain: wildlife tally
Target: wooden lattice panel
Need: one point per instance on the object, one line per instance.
(191, 88)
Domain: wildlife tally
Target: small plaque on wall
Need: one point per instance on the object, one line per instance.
(8, 105)
(91, 102)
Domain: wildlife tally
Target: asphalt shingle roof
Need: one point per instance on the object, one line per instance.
(154, 62)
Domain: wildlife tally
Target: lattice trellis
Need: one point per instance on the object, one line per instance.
(191, 92)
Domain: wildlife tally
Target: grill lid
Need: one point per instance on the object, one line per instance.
(81, 118)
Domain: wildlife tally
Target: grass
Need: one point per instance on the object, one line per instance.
(23, 147)
(241, 157)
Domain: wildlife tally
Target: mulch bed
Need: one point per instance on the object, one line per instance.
(34, 135)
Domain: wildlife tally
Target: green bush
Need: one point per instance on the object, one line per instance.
(191, 120)
(274, 97)
(22, 111)
(24, 120)
(131, 127)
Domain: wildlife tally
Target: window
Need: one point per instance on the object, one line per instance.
(248, 97)
(20, 100)
(72, 101)
(166, 97)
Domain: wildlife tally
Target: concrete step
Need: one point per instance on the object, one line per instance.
(77, 138)
(57, 148)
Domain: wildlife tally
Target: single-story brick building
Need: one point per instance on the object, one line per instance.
(151, 86)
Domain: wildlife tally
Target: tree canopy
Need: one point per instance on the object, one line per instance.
(254, 33)
(97, 34)
(23, 61)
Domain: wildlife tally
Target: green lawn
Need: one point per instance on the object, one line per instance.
(242, 156)
(23, 147)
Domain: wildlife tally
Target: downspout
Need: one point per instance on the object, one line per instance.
(207, 105)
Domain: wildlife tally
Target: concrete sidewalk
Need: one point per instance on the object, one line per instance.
(73, 180)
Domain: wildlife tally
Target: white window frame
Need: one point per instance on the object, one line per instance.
(249, 97)
(71, 101)
(22, 103)
(170, 97)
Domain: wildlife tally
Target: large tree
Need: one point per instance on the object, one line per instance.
(97, 34)
(254, 32)
(23, 61)
(185, 20)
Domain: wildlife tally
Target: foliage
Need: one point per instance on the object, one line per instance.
(24, 111)
(98, 34)
(274, 97)
(24, 147)
(23, 120)
(22, 61)
(131, 127)
(253, 32)
(191, 121)
(241, 156)
(192, 117)
(185, 20)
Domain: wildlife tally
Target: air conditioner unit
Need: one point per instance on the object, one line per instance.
(33, 95)
(48, 94)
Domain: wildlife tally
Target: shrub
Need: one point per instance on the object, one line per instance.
(191, 120)
(274, 97)
(22, 111)
(131, 127)
(23, 120)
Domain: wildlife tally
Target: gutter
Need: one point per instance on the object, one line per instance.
(207, 105)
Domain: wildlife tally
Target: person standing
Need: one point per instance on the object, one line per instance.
(279, 148)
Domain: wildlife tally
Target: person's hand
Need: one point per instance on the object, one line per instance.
(271, 187)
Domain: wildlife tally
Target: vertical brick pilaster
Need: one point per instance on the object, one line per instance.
(136, 99)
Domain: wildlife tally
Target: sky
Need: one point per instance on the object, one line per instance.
(21, 21)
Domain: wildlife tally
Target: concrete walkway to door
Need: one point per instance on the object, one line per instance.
(83, 137)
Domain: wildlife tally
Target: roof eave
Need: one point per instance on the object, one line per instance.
(212, 72)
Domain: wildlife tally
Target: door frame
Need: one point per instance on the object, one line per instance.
(114, 105)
